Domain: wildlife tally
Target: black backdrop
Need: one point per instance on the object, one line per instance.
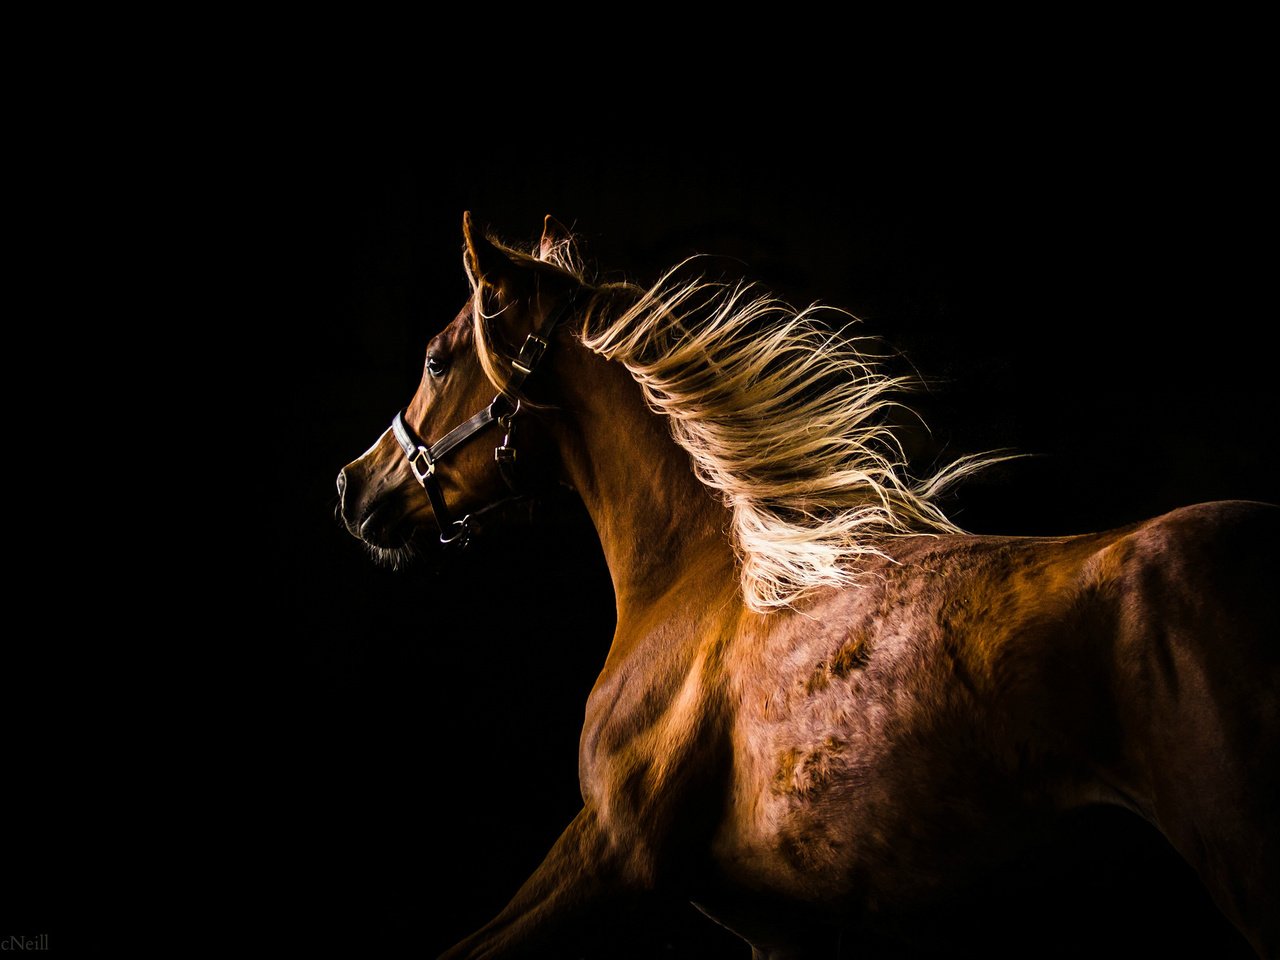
(1090, 295)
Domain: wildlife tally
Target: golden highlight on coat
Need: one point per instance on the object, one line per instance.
(782, 410)
(820, 779)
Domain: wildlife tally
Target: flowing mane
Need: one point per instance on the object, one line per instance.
(782, 410)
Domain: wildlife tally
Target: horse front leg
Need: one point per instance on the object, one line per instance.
(579, 884)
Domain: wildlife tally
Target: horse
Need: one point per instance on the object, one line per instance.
(824, 704)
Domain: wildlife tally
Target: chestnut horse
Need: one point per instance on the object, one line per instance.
(824, 704)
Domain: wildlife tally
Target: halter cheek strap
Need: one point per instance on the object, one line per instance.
(423, 457)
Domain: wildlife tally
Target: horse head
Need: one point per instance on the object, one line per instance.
(474, 434)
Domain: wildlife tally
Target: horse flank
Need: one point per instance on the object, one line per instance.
(782, 411)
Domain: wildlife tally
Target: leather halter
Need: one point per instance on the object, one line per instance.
(423, 458)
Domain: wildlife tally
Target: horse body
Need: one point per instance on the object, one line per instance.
(831, 767)
(874, 750)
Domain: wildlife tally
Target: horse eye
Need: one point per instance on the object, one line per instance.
(436, 366)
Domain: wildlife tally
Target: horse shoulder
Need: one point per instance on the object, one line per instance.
(652, 755)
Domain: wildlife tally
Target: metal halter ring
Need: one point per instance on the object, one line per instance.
(424, 455)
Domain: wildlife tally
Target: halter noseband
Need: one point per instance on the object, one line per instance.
(423, 458)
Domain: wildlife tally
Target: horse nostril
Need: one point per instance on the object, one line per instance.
(342, 483)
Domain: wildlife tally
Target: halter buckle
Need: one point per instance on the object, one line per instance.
(424, 455)
(530, 354)
(462, 535)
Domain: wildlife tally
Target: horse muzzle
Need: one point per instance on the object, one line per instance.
(380, 521)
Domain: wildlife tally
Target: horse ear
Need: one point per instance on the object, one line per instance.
(488, 263)
(553, 233)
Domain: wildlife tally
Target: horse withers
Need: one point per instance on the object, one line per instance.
(825, 707)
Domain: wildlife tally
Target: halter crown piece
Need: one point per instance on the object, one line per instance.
(423, 457)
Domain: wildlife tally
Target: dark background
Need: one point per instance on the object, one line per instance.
(1088, 289)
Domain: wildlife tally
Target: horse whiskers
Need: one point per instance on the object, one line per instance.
(395, 558)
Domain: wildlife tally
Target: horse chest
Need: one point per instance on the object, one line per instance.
(652, 757)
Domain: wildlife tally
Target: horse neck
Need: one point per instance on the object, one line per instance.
(659, 526)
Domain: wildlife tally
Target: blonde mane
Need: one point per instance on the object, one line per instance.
(783, 412)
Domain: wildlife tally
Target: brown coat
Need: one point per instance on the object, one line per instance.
(833, 768)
